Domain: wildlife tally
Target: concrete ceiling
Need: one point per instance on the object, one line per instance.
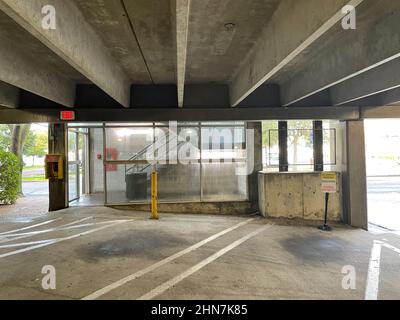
(285, 51)
(215, 49)
(35, 50)
(138, 34)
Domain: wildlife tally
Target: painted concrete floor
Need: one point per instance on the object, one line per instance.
(103, 253)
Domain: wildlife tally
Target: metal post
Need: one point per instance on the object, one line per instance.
(325, 227)
(154, 212)
(283, 146)
(318, 145)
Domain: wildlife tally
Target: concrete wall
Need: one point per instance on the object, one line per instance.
(223, 208)
(296, 195)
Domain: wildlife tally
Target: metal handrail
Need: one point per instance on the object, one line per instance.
(178, 144)
(140, 153)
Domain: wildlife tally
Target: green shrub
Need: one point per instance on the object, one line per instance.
(9, 177)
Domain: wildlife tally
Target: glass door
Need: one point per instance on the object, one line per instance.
(77, 164)
(73, 165)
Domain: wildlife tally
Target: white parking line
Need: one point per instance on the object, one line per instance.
(387, 245)
(75, 222)
(24, 244)
(372, 287)
(168, 284)
(34, 233)
(60, 240)
(142, 272)
(5, 238)
(29, 227)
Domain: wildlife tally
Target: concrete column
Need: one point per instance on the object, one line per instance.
(283, 146)
(318, 146)
(58, 188)
(355, 176)
(256, 150)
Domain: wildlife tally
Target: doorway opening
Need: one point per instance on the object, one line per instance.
(85, 166)
(383, 172)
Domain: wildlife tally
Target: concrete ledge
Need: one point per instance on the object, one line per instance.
(296, 196)
(222, 208)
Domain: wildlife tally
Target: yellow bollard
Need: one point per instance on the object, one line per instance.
(154, 212)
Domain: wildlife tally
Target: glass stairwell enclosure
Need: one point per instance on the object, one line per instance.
(195, 162)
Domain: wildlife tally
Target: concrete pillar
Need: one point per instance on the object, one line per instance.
(355, 176)
(256, 150)
(283, 146)
(318, 146)
(58, 188)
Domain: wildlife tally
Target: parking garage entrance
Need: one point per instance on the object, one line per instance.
(383, 172)
(111, 163)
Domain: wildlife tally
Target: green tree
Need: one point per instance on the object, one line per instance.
(18, 138)
(5, 136)
(35, 145)
(9, 177)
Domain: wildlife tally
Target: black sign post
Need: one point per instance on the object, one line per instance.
(325, 226)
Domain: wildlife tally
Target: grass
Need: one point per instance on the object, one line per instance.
(34, 167)
(38, 178)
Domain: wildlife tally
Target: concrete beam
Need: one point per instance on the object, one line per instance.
(378, 80)
(181, 11)
(294, 27)
(74, 41)
(375, 42)
(8, 95)
(385, 112)
(21, 70)
(355, 176)
(149, 114)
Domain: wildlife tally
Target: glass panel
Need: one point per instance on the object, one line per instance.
(128, 143)
(130, 124)
(127, 186)
(224, 174)
(223, 182)
(225, 123)
(72, 181)
(72, 155)
(300, 145)
(270, 141)
(179, 182)
(223, 143)
(85, 125)
(73, 167)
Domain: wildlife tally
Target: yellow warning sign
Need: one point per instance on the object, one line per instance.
(329, 182)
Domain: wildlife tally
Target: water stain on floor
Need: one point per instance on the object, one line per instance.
(316, 247)
(146, 243)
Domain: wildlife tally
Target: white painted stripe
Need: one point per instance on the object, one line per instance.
(6, 238)
(168, 284)
(63, 228)
(29, 227)
(59, 240)
(387, 245)
(24, 244)
(175, 256)
(372, 287)
(75, 222)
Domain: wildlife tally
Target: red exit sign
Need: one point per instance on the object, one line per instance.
(67, 115)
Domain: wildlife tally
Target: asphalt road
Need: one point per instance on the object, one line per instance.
(384, 202)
